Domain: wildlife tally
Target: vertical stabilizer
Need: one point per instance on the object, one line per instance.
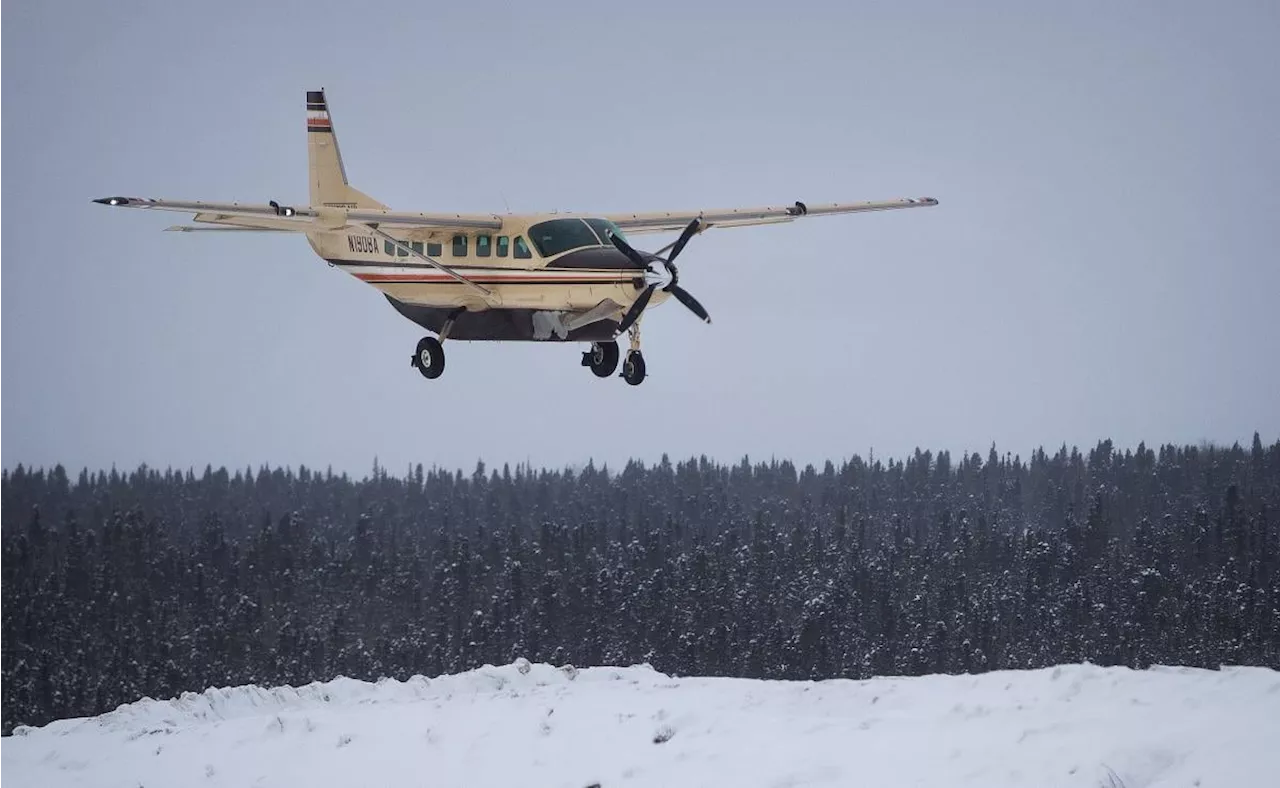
(327, 175)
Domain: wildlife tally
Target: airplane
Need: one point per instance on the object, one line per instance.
(547, 277)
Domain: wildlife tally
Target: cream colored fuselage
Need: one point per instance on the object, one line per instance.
(487, 258)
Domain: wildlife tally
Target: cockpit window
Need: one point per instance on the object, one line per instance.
(560, 235)
(605, 228)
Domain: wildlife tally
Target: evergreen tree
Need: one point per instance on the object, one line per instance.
(153, 583)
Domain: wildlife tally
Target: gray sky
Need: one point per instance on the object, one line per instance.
(1103, 262)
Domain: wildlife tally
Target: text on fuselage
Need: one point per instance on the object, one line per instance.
(362, 243)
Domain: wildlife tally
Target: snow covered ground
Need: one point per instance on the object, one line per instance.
(522, 725)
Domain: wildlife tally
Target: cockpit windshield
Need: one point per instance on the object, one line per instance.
(605, 228)
(560, 235)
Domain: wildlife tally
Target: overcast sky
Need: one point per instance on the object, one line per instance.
(1103, 262)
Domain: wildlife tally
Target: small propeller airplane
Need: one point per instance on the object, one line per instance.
(541, 277)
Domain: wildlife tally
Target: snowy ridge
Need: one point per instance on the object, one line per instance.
(231, 702)
(535, 725)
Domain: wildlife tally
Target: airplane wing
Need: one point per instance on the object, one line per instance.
(662, 221)
(273, 216)
(191, 228)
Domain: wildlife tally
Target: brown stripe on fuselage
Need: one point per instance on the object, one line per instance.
(444, 279)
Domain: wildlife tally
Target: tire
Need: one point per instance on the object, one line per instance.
(633, 368)
(429, 358)
(603, 358)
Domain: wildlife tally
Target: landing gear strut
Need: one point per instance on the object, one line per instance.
(602, 358)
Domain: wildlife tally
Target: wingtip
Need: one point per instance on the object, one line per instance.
(112, 200)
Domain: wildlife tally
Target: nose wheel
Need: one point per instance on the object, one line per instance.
(633, 368)
(429, 357)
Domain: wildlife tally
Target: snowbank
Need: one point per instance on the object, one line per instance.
(538, 725)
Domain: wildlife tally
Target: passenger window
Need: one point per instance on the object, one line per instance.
(522, 249)
(434, 249)
(459, 246)
(417, 246)
(484, 245)
(504, 245)
(401, 251)
(388, 247)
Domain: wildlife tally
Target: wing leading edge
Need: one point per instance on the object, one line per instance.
(662, 221)
(273, 216)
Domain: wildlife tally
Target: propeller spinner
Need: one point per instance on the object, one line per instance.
(645, 260)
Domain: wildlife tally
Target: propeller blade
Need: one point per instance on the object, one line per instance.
(688, 300)
(688, 233)
(626, 249)
(634, 312)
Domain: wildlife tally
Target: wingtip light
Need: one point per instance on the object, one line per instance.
(112, 200)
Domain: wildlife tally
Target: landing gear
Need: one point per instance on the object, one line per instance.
(602, 358)
(633, 368)
(429, 357)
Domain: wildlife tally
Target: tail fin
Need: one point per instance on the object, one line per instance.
(328, 177)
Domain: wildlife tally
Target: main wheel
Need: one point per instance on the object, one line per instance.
(633, 368)
(429, 357)
(602, 358)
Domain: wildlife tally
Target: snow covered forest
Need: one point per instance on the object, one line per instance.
(149, 583)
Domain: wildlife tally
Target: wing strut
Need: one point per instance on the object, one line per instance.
(482, 290)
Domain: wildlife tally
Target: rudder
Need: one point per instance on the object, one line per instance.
(328, 176)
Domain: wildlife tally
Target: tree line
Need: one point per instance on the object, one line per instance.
(147, 583)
